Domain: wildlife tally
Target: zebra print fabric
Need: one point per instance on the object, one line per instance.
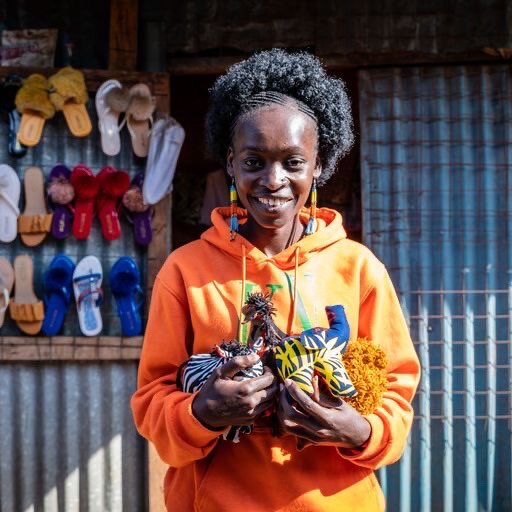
(199, 368)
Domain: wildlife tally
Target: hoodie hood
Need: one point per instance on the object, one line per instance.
(329, 230)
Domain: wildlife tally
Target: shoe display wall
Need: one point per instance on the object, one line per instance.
(73, 194)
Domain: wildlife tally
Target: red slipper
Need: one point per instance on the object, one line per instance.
(113, 184)
(86, 188)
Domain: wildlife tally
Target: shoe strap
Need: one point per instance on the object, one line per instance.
(93, 289)
(27, 312)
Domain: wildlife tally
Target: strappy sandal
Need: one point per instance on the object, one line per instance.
(113, 185)
(139, 213)
(68, 93)
(60, 194)
(6, 283)
(33, 103)
(87, 279)
(35, 222)
(9, 199)
(139, 118)
(111, 100)
(26, 309)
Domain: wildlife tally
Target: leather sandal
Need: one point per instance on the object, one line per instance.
(35, 222)
(26, 309)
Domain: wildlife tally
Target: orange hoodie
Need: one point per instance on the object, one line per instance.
(196, 303)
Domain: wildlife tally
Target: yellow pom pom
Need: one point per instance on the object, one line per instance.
(366, 366)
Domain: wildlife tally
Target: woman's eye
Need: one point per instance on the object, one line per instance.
(295, 163)
(252, 163)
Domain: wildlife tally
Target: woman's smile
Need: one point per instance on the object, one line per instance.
(273, 160)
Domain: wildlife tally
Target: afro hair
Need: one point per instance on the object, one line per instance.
(298, 75)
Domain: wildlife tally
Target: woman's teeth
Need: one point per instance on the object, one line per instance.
(272, 201)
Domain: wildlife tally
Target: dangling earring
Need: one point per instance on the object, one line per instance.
(233, 226)
(311, 227)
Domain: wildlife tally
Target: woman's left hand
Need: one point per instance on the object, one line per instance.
(320, 419)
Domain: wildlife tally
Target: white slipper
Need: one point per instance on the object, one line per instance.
(6, 283)
(9, 198)
(108, 117)
(87, 279)
(163, 156)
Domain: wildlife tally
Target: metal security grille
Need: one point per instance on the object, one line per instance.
(437, 208)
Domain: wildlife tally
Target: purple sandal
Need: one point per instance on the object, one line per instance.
(138, 212)
(60, 194)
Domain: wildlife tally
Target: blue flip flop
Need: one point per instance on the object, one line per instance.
(125, 285)
(58, 292)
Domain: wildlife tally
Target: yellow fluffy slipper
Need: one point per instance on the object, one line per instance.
(33, 103)
(68, 93)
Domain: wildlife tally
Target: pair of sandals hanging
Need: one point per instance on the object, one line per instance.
(39, 98)
(137, 104)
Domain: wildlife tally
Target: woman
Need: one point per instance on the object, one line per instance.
(279, 124)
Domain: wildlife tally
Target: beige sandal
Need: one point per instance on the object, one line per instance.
(35, 222)
(139, 118)
(26, 309)
(6, 283)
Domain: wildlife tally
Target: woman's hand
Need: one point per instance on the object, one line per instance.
(224, 400)
(320, 419)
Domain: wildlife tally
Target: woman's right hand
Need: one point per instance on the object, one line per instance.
(224, 401)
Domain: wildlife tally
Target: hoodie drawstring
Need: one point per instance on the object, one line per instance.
(295, 285)
(242, 298)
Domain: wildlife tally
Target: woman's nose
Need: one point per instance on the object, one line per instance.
(275, 177)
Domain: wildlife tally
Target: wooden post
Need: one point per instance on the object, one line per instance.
(123, 56)
(124, 16)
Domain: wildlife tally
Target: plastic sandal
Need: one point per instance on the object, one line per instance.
(35, 222)
(26, 309)
(33, 103)
(113, 184)
(87, 278)
(58, 291)
(111, 99)
(60, 194)
(68, 93)
(139, 212)
(139, 118)
(9, 197)
(165, 145)
(125, 285)
(6, 283)
(86, 186)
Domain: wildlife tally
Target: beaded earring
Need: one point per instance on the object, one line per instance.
(233, 226)
(311, 227)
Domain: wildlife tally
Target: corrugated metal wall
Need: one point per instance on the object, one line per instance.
(436, 148)
(67, 438)
(67, 441)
